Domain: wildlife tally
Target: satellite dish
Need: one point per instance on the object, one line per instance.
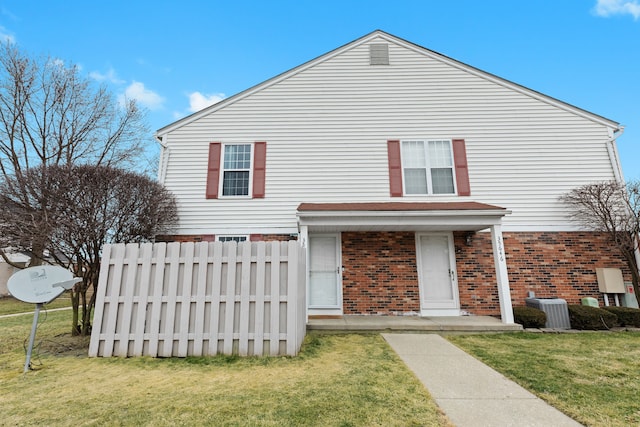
(40, 284)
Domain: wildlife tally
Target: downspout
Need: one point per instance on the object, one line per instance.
(164, 158)
(612, 150)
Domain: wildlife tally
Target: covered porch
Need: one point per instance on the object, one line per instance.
(432, 223)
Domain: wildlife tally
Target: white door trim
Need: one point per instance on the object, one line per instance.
(444, 308)
(329, 310)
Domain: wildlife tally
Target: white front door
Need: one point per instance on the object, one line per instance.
(437, 275)
(325, 284)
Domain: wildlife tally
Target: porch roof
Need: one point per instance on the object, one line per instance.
(399, 216)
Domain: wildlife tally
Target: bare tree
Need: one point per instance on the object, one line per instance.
(613, 208)
(87, 206)
(51, 115)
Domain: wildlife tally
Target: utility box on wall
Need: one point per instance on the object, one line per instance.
(610, 280)
(630, 299)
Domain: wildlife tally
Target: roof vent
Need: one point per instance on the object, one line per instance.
(379, 54)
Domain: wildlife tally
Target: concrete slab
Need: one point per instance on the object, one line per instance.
(468, 391)
(501, 412)
(411, 324)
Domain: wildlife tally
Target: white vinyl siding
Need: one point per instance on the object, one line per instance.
(327, 127)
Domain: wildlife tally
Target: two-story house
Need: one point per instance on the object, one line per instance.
(419, 184)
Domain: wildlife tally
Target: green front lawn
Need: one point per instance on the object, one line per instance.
(338, 380)
(594, 377)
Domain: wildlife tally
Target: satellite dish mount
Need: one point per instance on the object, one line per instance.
(39, 285)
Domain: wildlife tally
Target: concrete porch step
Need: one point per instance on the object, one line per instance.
(411, 324)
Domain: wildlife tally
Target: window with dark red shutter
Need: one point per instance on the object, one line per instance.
(213, 170)
(462, 169)
(259, 169)
(395, 168)
(426, 167)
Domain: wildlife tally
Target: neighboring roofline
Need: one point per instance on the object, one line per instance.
(393, 39)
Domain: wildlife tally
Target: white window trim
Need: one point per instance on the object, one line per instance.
(249, 194)
(429, 182)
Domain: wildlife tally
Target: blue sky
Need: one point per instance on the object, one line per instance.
(176, 57)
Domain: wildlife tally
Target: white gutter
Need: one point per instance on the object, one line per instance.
(614, 158)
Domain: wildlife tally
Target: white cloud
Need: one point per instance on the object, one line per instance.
(6, 36)
(110, 76)
(198, 101)
(144, 96)
(607, 8)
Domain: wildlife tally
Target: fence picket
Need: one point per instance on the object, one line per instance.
(216, 284)
(245, 289)
(185, 298)
(292, 298)
(229, 307)
(167, 334)
(201, 289)
(126, 308)
(143, 297)
(156, 299)
(258, 341)
(274, 333)
(112, 299)
(98, 312)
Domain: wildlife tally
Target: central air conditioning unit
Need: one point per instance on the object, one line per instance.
(555, 309)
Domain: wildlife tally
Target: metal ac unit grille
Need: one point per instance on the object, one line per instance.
(555, 309)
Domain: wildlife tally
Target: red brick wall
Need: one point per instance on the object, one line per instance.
(550, 264)
(380, 273)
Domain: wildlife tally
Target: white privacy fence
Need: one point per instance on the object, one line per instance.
(197, 299)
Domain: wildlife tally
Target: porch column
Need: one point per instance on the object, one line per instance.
(303, 239)
(504, 292)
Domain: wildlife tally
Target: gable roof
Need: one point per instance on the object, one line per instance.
(392, 39)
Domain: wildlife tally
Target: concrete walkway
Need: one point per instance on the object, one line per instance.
(49, 310)
(469, 392)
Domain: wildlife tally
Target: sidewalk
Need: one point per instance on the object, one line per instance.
(31, 312)
(469, 392)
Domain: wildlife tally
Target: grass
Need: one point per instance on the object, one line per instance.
(338, 380)
(10, 305)
(593, 377)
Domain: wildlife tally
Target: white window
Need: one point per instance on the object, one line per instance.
(236, 170)
(232, 238)
(427, 167)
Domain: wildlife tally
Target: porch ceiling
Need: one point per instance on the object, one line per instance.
(399, 216)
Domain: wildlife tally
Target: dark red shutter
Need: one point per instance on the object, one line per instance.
(462, 170)
(395, 168)
(259, 169)
(213, 170)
